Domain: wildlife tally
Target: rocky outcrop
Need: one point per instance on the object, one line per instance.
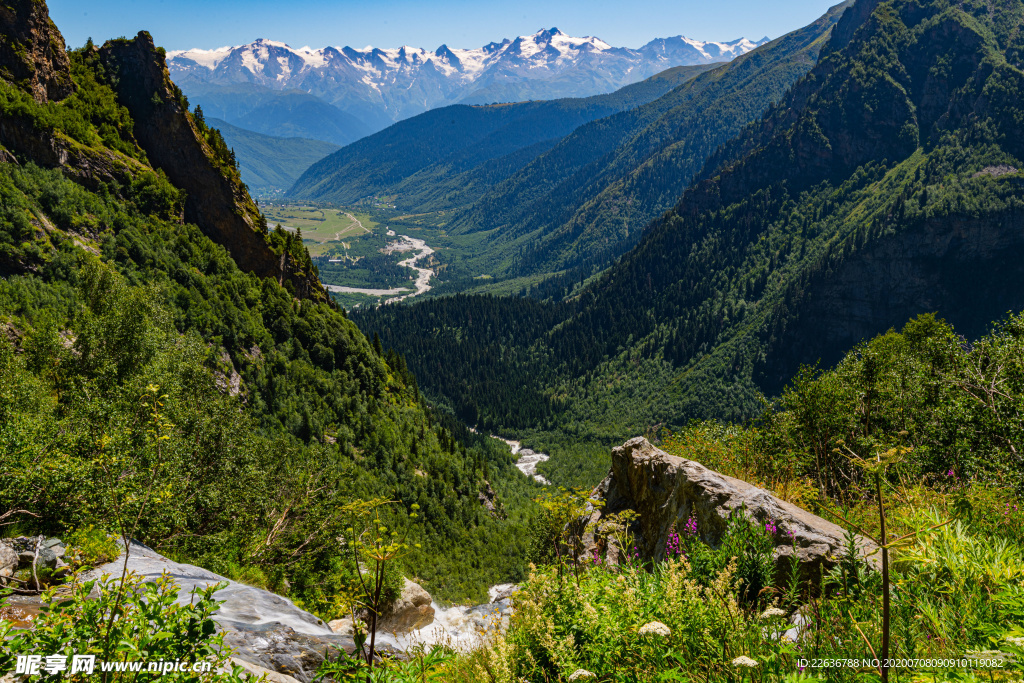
(489, 499)
(32, 52)
(22, 559)
(8, 562)
(666, 490)
(216, 201)
(32, 57)
(413, 609)
(410, 611)
(88, 166)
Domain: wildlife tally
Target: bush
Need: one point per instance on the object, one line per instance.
(147, 626)
(89, 546)
(957, 594)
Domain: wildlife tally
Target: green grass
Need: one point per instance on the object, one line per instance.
(320, 225)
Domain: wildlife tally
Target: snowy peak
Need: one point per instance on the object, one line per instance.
(383, 85)
(553, 43)
(265, 59)
(681, 47)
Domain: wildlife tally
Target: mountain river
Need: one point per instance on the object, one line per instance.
(423, 275)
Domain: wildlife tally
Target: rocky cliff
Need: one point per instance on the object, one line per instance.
(32, 51)
(217, 201)
(34, 64)
(666, 490)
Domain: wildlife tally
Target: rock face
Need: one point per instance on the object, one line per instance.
(241, 605)
(32, 57)
(665, 490)
(412, 610)
(220, 205)
(32, 52)
(8, 562)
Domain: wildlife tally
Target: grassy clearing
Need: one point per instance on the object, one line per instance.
(320, 225)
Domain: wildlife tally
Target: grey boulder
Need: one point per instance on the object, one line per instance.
(8, 562)
(666, 490)
(412, 610)
(240, 604)
(264, 629)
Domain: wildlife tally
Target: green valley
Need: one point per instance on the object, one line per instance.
(124, 297)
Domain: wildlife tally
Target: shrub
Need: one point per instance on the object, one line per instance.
(129, 622)
(89, 546)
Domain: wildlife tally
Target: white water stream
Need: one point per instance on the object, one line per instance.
(458, 627)
(528, 460)
(423, 275)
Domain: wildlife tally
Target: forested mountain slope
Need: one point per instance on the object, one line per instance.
(164, 342)
(587, 199)
(420, 160)
(883, 185)
(269, 163)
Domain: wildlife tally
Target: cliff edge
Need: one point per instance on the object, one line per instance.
(217, 200)
(32, 53)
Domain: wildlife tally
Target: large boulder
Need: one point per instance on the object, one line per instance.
(240, 605)
(8, 562)
(666, 490)
(410, 611)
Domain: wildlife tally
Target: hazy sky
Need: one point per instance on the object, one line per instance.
(181, 24)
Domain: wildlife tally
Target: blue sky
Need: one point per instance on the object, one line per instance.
(181, 24)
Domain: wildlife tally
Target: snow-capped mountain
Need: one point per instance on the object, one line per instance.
(382, 86)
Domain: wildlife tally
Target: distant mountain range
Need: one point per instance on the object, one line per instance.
(378, 87)
(565, 183)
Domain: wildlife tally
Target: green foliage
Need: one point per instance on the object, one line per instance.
(263, 393)
(424, 665)
(136, 623)
(558, 532)
(90, 547)
(443, 338)
(586, 201)
(669, 621)
(768, 261)
(91, 116)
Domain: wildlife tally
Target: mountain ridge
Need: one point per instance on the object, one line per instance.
(270, 163)
(458, 138)
(381, 86)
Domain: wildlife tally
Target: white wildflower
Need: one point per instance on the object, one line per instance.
(1016, 641)
(655, 628)
(773, 612)
(580, 674)
(746, 661)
